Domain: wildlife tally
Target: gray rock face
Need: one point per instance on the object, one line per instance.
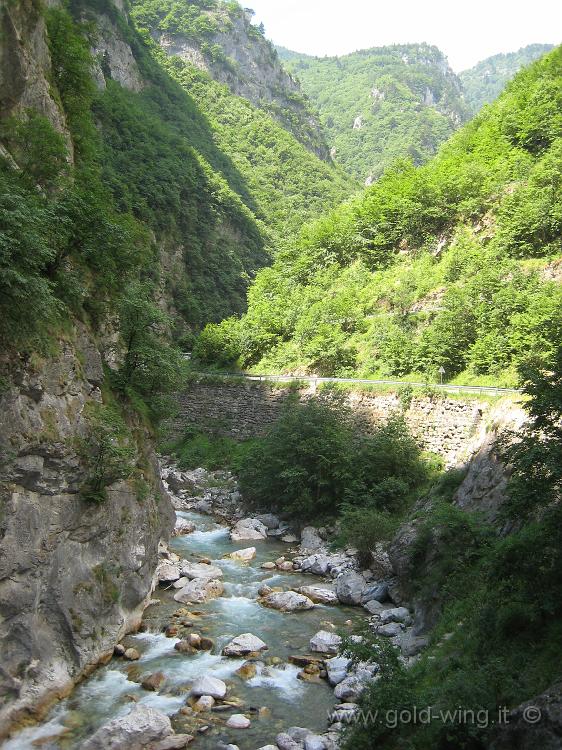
(378, 593)
(352, 687)
(247, 643)
(350, 587)
(183, 527)
(138, 729)
(269, 520)
(534, 724)
(67, 566)
(288, 601)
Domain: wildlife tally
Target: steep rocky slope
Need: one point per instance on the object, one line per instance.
(219, 38)
(383, 103)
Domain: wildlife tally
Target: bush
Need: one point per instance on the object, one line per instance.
(318, 457)
(107, 451)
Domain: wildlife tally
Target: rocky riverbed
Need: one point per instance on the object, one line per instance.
(240, 646)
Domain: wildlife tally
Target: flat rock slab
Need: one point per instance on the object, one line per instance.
(244, 644)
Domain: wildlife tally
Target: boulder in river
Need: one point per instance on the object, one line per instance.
(320, 594)
(244, 644)
(269, 520)
(131, 654)
(207, 685)
(168, 572)
(201, 570)
(350, 587)
(238, 721)
(139, 728)
(204, 703)
(378, 593)
(183, 527)
(153, 681)
(199, 590)
(268, 566)
(325, 642)
(248, 528)
(243, 555)
(288, 601)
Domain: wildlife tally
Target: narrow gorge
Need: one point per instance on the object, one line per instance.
(189, 557)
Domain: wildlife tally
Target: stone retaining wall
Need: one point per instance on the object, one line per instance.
(450, 427)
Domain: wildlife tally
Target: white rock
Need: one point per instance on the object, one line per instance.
(288, 601)
(195, 571)
(244, 644)
(243, 555)
(248, 528)
(318, 565)
(337, 669)
(353, 686)
(140, 727)
(183, 527)
(325, 642)
(373, 607)
(199, 590)
(168, 572)
(180, 583)
(238, 721)
(207, 685)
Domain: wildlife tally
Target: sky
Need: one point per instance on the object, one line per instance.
(467, 31)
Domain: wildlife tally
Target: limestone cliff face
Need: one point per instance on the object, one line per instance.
(250, 67)
(74, 575)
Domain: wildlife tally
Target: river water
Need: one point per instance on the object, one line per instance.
(284, 699)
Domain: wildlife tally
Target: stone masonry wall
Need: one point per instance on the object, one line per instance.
(450, 427)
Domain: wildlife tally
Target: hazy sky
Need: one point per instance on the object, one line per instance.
(466, 31)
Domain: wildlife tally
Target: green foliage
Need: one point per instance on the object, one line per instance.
(39, 151)
(408, 100)
(317, 459)
(485, 81)
(436, 266)
(28, 305)
(107, 451)
(536, 452)
(151, 366)
(363, 528)
(500, 595)
(209, 450)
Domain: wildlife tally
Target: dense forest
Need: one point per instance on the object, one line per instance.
(453, 264)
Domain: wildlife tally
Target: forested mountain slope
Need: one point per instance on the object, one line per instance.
(485, 81)
(383, 103)
(454, 264)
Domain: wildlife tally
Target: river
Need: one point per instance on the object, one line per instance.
(274, 699)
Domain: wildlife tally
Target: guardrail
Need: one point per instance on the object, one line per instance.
(488, 389)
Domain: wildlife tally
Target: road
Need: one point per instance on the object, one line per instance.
(486, 389)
